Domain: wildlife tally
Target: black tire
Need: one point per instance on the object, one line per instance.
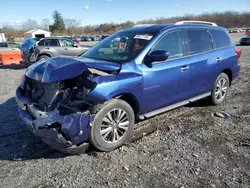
(214, 97)
(97, 140)
(43, 57)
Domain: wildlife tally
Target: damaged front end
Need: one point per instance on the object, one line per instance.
(59, 112)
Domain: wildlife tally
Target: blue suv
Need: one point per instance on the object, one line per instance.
(131, 75)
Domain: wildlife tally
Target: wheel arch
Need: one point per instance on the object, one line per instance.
(131, 100)
(229, 73)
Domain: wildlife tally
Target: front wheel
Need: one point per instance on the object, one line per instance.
(220, 89)
(112, 126)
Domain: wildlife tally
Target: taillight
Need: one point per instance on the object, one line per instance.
(238, 52)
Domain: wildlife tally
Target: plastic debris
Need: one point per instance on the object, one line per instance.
(222, 115)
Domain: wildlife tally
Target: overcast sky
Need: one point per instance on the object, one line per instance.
(90, 12)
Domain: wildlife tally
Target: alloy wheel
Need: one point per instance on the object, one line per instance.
(114, 125)
(221, 89)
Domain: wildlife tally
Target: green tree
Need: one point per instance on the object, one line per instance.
(58, 25)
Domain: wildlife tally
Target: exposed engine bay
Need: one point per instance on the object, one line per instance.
(60, 112)
(66, 96)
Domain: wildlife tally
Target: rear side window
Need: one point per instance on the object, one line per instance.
(199, 41)
(67, 43)
(221, 38)
(52, 42)
(171, 42)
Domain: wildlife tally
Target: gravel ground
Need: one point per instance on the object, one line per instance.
(190, 148)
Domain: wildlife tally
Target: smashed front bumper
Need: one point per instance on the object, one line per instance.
(68, 133)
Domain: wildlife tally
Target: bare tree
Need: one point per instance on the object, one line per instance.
(228, 19)
(45, 23)
(29, 25)
(71, 25)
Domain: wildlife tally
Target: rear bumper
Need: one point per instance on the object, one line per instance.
(70, 135)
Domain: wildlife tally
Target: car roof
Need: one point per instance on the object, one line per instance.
(156, 28)
(54, 38)
(150, 28)
(59, 38)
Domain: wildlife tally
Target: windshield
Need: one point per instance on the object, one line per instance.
(119, 47)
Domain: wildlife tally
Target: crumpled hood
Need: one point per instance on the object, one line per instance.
(62, 68)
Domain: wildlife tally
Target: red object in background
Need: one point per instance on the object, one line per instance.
(136, 47)
(10, 58)
(247, 32)
(238, 52)
(77, 41)
(121, 45)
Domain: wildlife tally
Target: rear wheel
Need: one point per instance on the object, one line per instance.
(220, 89)
(112, 126)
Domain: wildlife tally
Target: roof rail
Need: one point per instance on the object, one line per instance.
(141, 25)
(195, 22)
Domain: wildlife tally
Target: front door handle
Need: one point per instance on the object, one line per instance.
(184, 68)
(65, 48)
(218, 59)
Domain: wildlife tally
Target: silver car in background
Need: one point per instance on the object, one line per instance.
(57, 46)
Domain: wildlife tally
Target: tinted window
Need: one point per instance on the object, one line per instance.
(221, 38)
(52, 42)
(41, 43)
(199, 41)
(3, 44)
(171, 42)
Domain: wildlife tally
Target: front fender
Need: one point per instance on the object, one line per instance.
(114, 85)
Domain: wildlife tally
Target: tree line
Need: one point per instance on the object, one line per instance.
(66, 26)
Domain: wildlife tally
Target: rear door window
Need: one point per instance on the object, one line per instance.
(171, 42)
(52, 42)
(199, 40)
(221, 38)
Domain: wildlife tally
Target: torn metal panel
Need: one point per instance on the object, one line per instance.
(71, 129)
(62, 68)
(74, 128)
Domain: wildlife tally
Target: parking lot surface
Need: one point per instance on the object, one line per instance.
(191, 146)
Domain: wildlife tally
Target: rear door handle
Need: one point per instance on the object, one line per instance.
(65, 48)
(218, 59)
(184, 68)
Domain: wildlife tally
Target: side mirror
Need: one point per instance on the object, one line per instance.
(75, 45)
(157, 55)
